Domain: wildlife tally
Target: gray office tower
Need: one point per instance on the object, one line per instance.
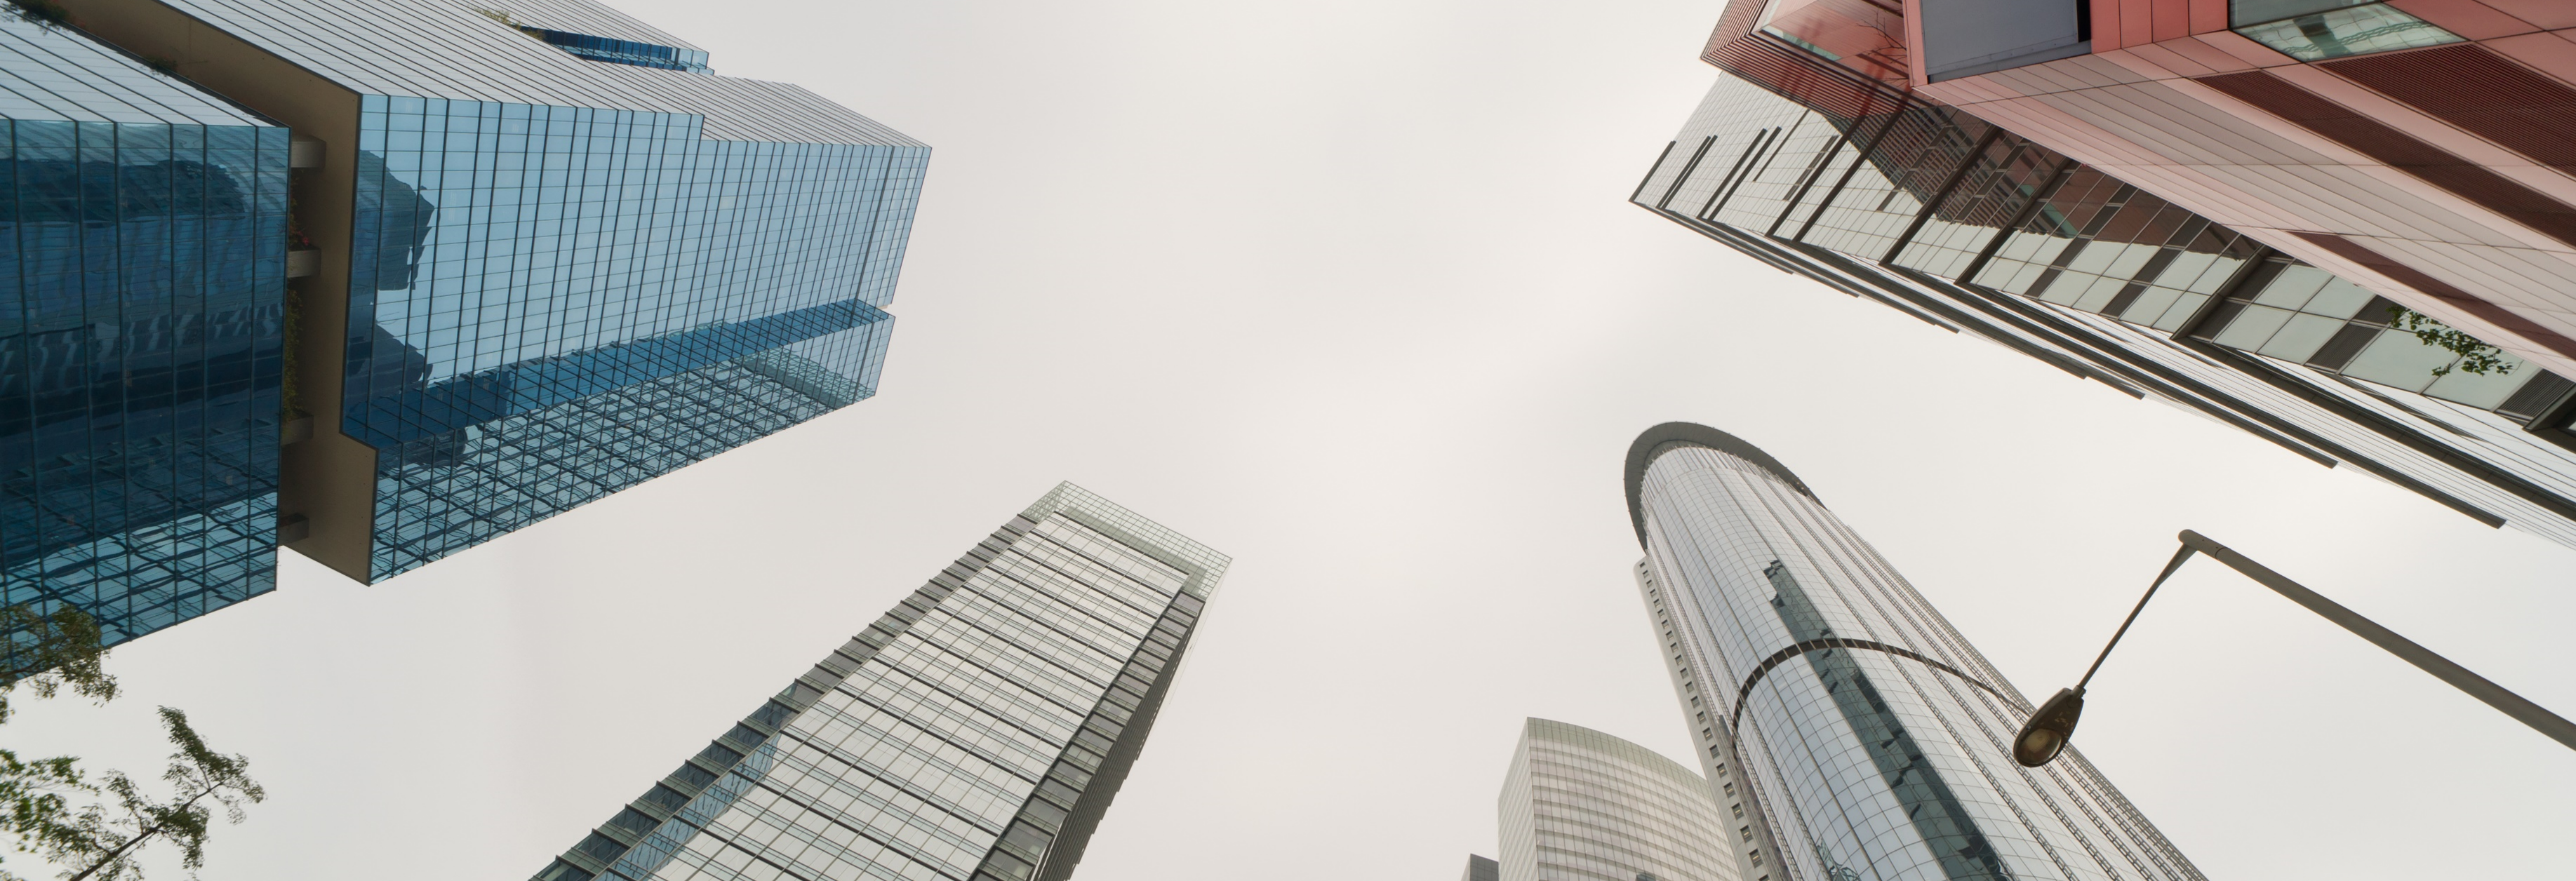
(1582, 805)
(977, 732)
(1856, 732)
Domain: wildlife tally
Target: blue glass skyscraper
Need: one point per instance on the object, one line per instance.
(552, 255)
(143, 228)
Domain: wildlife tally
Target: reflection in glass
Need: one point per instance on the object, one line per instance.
(1947, 829)
(1865, 35)
(142, 336)
(2358, 30)
(547, 328)
(1908, 205)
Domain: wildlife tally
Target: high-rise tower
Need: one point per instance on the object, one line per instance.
(537, 252)
(1581, 805)
(2260, 239)
(977, 731)
(143, 229)
(1836, 707)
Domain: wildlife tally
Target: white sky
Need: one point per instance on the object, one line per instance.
(1349, 290)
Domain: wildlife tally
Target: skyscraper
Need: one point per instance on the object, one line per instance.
(1818, 160)
(2417, 147)
(143, 223)
(541, 253)
(977, 731)
(1481, 868)
(2422, 149)
(1580, 805)
(1862, 736)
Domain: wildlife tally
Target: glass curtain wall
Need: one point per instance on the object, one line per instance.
(977, 731)
(1875, 741)
(143, 224)
(577, 258)
(568, 301)
(1928, 210)
(1579, 805)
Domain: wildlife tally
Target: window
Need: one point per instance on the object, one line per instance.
(1756, 854)
(1730, 789)
(2315, 30)
(1738, 808)
(1747, 832)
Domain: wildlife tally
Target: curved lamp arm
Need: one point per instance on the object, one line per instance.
(2045, 734)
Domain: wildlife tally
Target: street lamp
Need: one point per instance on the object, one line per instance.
(2049, 727)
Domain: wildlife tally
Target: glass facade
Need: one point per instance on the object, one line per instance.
(623, 51)
(977, 732)
(1872, 740)
(540, 275)
(575, 258)
(143, 225)
(1580, 805)
(1971, 228)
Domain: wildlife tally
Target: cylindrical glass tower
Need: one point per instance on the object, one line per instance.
(1873, 741)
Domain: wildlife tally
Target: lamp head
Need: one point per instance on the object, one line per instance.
(2045, 735)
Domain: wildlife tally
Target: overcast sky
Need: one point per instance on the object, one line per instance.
(1348, 289)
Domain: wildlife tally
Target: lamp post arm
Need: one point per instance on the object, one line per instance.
(2540, 719)
(2179, 556)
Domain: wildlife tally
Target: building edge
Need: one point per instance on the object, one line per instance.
(1655, 441)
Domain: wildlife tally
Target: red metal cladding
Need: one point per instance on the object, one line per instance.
(2401, 151)
(1822, 86)
(2482, 92)
(1733, 25)
(2444, 291)
(1867, 36)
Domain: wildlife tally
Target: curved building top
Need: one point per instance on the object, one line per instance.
(1673, 435)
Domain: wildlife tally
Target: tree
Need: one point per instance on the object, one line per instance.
(33, 793)
(43, 12)
(101, 842)
(2475, 355)
(50, 651)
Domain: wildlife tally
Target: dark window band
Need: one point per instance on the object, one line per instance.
(2441, 290)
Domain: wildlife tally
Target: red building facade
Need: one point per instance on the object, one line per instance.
(2425, 149)
(2244, 242)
